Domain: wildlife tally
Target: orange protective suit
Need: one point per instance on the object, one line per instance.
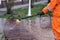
(54, 7)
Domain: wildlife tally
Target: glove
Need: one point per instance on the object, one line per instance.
(41, 13)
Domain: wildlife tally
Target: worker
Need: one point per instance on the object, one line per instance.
(54, 7)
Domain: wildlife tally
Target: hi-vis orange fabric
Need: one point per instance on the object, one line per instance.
(54, 7)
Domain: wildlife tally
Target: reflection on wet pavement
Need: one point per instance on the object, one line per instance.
(27, 29)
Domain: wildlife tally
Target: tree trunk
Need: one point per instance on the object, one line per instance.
(48, 1)
(32, 4)
(9, 4)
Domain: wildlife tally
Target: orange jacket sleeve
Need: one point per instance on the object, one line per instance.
(50, 6)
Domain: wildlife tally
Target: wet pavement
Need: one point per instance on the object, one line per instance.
(28, 29)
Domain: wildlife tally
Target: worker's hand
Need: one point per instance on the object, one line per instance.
(40, 13)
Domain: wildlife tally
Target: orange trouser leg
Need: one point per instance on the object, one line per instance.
(56, 27)
(57, 35)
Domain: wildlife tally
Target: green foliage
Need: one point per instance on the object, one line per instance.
(37, 8)
(24, 11)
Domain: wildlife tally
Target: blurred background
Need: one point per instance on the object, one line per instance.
(35, 28)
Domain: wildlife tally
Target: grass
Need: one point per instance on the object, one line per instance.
(37, 8)
(23, 12)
